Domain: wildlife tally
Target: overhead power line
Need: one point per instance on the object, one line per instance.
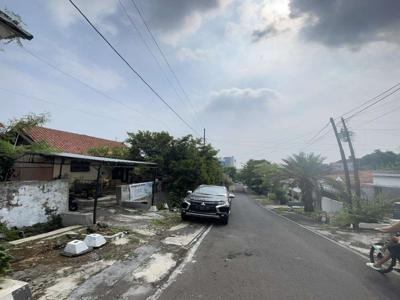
(370, 100)
(142, 38)
(90, 87)
(133, 70)
(68, 107)
(379, 99)
(383, 115)
(164, 57)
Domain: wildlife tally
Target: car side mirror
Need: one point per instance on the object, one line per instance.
(231, 196)
(188, 193)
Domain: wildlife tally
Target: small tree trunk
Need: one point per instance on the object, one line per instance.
(308, 200)
(318, 198)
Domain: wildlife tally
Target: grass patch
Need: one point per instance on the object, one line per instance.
(281, 210)
(168, 221)
(11, 234)
(264, 200)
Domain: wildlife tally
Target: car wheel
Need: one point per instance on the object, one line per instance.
(184, 217)
(225, 220)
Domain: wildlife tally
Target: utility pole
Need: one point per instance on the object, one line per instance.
(96, 195)
(344, 161)
(353, 159)
(204, 137)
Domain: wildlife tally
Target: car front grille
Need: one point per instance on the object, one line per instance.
(198, 207)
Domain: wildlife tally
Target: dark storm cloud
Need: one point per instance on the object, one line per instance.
(259, 34)
(351, 23)
(169, 15)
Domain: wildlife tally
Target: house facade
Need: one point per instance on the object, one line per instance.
(384, 182)
(49, 167)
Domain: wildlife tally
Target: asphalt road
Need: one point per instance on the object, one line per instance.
(260, 255)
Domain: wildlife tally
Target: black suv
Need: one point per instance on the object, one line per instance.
(209, 201)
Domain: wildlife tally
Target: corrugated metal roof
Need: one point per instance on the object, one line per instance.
(98, 159)
(10, 28)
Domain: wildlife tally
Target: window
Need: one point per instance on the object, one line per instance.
(80, 166)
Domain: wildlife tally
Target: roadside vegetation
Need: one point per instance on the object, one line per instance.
(308, 172)
(9, 134)
(264, 178)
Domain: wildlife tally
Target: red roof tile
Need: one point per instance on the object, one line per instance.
(68, 141)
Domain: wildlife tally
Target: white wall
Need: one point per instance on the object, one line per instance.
(386, 179)
(24, 203)
(331, 206)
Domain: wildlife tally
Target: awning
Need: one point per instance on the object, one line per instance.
(113, 161)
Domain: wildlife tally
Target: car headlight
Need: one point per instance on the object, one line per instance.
(221, 202)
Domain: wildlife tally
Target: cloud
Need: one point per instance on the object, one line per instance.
(241, 99)
(188, 54)
(267, 32)
(260, 20)
(65, 15)
(95, 75)
(349, 23)
(176, 19)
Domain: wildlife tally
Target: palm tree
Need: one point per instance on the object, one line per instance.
(306, 170)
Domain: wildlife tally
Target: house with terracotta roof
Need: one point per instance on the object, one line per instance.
(71, 159)
(64, 141)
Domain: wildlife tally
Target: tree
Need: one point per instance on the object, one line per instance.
(380, 160)
(107, 151)
(183, 163)
(231, 172)
(264, 177)
(306, 170)
(9, 150)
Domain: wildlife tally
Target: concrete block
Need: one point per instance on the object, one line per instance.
(94, 240)
(153, 208)
(122, 193)
(14, 290)
(77, 218)
(75, 247)
(145, 204)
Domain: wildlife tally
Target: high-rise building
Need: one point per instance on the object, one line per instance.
(228, 161)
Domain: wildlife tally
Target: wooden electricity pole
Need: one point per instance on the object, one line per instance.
(353, 159)
(204, 137)
(344, 161)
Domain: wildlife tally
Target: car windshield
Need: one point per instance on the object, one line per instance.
(211, 190)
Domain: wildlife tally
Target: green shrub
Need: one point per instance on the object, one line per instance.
(371, 211)
(272, 197)
(343, 218)
(9, 234)
(5, 259)
(14, 233)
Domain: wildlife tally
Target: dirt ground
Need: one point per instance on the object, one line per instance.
(48, 273)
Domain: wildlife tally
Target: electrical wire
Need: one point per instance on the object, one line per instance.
(164, 58)
(64, 106)
(373, 103)
(132, 69)
(53, 66)
(372, 99)
(132, 22)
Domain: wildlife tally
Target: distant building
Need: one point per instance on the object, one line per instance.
(384, 182)
(228, 161)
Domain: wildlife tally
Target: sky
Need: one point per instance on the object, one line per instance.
(262, 77)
